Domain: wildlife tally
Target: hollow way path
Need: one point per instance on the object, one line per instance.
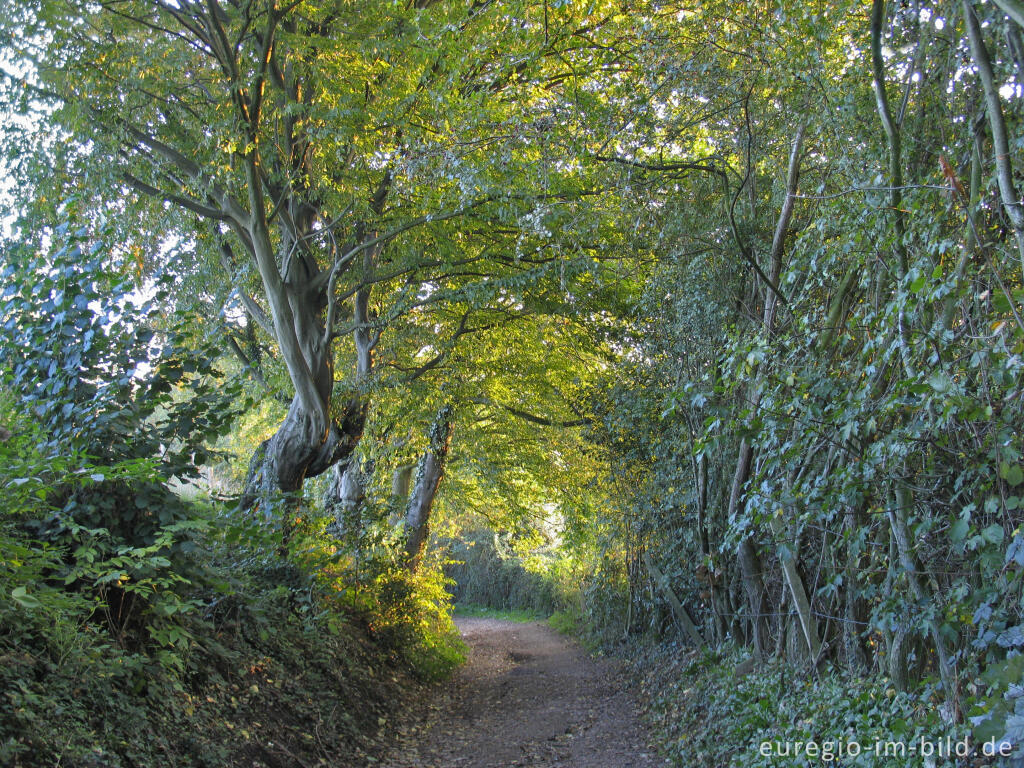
(526, 697)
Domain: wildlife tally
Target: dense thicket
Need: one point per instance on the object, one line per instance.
(822, 412)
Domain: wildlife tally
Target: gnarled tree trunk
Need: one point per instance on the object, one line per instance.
(299, 450)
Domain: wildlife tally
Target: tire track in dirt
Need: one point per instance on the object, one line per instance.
(526, 697)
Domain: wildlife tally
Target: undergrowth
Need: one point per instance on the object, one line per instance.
(706, 710)
(487, 573)
(579, 597)
(139, 628)
(263, 663)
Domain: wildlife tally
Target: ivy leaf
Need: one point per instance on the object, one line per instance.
(1012, 637)
(993, 534)
(1015, 552)
(940, 382)
(1011, 473)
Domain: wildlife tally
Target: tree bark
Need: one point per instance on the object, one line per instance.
(750, 562)
(344, 498)
(997, 124)
(903, 502)
(853, 605)
(892, 132)
(799, 594)
(297, 451)
(346, 491)
(428, 478)
(681, 614)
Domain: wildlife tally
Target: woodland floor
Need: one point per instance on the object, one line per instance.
(527, 696)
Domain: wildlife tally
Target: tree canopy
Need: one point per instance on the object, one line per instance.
(717, 307)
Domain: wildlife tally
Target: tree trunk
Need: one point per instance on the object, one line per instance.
(797, 591)
(853, 606)
(347, 489)
(344, 498)
(903, 503)
(428, 478)
(296, 451)
(750, 562)
(997, 124)
(681, 614)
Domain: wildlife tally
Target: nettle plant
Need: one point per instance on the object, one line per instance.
(101, 372)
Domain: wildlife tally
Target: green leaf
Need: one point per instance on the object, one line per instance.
(1012, 637)
(1011, 473)
(993, 534)
(958, 531)
(940, 382)
(21, 597)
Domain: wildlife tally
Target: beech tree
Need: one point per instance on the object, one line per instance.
(292, 149)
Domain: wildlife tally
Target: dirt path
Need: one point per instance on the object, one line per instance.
(526, 697)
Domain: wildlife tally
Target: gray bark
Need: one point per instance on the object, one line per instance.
(798, 592)
(428, 479)
(750, 562)
(1012, 8)
(347, 489)
(897, 513)
(970, 246)
(997, 124)
(344, 498)
(782, 226)
(892, 131)
(681, 614)
(298, 450)
(853, 604)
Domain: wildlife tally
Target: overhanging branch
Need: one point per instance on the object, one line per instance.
(533, 419)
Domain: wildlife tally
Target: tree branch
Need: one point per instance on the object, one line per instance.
(227, 260)
(185, 202)
(541, 420)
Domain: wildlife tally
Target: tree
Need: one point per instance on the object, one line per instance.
(289, 147)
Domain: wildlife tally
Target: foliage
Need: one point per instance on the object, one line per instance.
(126, 603)
(488, 576)
(704, 710)
(732, 293)
(849, 434)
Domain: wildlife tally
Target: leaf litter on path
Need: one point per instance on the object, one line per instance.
(526, 697)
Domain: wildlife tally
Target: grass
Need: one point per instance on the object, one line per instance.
(483, 612)
(564, 623)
